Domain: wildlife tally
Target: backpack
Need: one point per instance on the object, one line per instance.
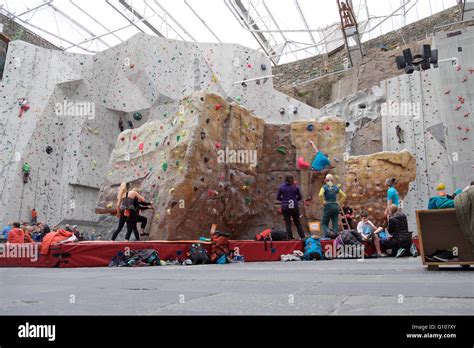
(313, 249)
(351, 237)
(220, 245)
(198, 255)
(271, 235)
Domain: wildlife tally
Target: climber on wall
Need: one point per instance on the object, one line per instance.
(321, 164)
(289, 195)
(26, 172)
(330, 196)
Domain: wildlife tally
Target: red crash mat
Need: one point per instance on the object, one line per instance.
(99, 253)
(28, 255)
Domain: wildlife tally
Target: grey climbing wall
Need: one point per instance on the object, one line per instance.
(433, 112)
(139, 80)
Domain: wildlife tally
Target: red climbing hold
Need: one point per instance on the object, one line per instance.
(211, 193)
(122, 139)
(249, 66)
(457, 107)
(218, 106)
(327, 128)
(302, 164)
(134, 137)
(458, 68)
(471, 71)
(467, 114)
(467, 130)
(132, 66)
(460, 127)
(218, 145)
(279, 211)
(464, 79)
(140, 146)
(464, 139)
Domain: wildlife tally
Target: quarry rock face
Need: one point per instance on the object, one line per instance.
(217, 163)
(365, 180)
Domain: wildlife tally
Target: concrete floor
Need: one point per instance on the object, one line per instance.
(349, 287)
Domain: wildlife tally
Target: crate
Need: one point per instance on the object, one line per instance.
(439, 230)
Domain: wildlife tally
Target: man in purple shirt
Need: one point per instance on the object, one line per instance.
(289, 195)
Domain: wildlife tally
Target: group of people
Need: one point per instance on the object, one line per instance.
(129, 205)
(35, 232)
(335, 207)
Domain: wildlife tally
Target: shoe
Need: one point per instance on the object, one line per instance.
(444, 256)
(382, 255)
(400, 252)
(413, 250)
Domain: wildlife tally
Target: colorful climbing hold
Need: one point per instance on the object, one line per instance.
(134, 137)
(218, 145)
(310, 127)
(302, 164)
(164, 166)
(327, 127)
(137, 116)
(110, 205)
(282, 150)
(171, 191)
(218, 106)
(248, 200)
(49, 150)
(140, 146)
(178, 137)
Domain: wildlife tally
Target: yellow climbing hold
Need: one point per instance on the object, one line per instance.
(214, 78)
(441, 187)
(171, 191)
(110, 205)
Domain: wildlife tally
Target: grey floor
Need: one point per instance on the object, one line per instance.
(349, 287)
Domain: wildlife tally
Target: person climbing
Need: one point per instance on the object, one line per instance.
(26, 172)
(328, 195)
(321, 164)
(132, 212)
(392, 195)
(140, 218)
(18, 236)
(289, 195)
(121, 127)
(123, 188)
(34, 216)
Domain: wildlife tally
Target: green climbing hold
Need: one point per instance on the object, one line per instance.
(157, 143)
(165, 166)
(137, 116)
(282, 150)
(247, 182)
(177, 163)
(178, 137)
(248, 200)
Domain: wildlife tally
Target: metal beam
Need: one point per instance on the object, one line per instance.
(202, 21)
(95, 20)
(174, 20)
(132, 10)
(120, 12)
(77, 23)
(304, 21)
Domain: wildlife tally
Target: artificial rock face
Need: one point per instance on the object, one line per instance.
(365, 180)
(215, 162)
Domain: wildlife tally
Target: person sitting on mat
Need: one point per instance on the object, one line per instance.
(289, 195)
(400, 239)
(370, 233)
(329, 195)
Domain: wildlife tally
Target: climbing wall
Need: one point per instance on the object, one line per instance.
(432, 110)
(365, 183)
(140, 80)
(216, 162)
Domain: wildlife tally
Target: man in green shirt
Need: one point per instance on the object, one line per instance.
(26, 172)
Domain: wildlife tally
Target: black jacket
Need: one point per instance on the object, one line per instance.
(398, 227)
